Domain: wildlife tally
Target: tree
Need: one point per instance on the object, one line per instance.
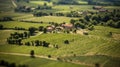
(97, 65)
(66, 42)
(20, 41)
(87, 18)
(72, 21)
(37, 43)
(1, 27)
(45, 4)
(45, 30)
(32, 30)
(25, 34)
(41, 28)
(32, 53)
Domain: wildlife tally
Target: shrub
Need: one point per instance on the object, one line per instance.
(66, 42)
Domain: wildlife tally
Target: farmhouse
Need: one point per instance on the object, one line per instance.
(67, 26)
(50, 28)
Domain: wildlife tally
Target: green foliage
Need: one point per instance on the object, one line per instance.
(32, 30)
(1, 26)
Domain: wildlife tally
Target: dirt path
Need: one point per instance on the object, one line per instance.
(14, 4)
(45, 57)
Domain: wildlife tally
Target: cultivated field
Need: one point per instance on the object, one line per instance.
(82, 51)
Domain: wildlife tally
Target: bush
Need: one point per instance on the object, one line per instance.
(49, 56)
(32, 54)
(1, 26)
(32, 30)
(66, 42)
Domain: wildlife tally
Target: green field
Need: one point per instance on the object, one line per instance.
(104, 61)
(41, 3)
(96, 47)
(36, 62)
(97, 43)
(13, 24)
(6, 6)
(50, 19)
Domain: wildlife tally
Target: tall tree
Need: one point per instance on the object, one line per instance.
(32, 53)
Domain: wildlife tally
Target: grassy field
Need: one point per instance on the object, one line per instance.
(41, 3)
(6, 6)
(97, 47)
(4, 34)
(50, 19)
(97, 43)
(104, 61)
(13, 24)
(36, 62)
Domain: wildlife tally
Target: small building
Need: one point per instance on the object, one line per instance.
(97, 7)
(67, 26)
(50, 28)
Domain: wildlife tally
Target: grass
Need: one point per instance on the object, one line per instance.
(36, 62)
(4, 34)
(104, 61)
(6, 6)
(83, 2)
(13, 24)
(41, 3)
(50, 19)
(66, 8)
(96, 42)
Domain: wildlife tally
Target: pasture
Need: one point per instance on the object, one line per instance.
(50, 19)
(36, 62)
(26, 25)
(96, 44)
(96, 47)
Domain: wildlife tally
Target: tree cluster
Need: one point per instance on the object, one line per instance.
(70, 14)
(19, 28)
(80, 23)
(37, 43)
(44, 7)
(6, 19)
(107, 18)
(104, 2)
(100, 18)
(7, 64)
(73, 14)
(16, 38)
(23, 9)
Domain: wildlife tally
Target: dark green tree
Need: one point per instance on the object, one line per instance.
(32, 30)
(32, 53)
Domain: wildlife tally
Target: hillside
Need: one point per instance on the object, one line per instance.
(62, 33)
(93, 2)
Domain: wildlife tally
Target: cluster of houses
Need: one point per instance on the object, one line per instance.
(60, 27)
